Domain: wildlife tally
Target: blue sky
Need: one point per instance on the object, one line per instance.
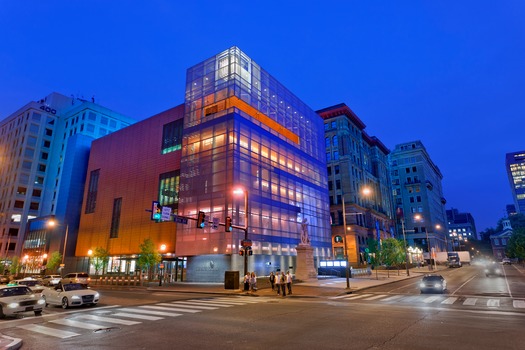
(449, 73)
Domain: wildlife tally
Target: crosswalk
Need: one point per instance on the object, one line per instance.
(492, 303)
(129, 316)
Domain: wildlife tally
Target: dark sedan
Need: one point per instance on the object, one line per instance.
(433, 283)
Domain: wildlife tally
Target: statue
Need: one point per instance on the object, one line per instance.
(304, 232)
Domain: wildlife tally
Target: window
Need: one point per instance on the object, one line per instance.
(330, 185)
(29, 153)
(92, 116)
(336, 155)
(172, 136)
(49, 132)
(44, 155)
(26, 165)
(407, 170)
(115, 218)
(336, 168)
(411, 199)
(21, 190)
(41, 167)
(335, 141)
(37, 192)
(327, 142)
(90, 128)
(169, 189)
(39, 180)
(414, 169)
(104, 120)
(47, 144)
(91, 200)
(329, 170)
(328, 157)
(19, 204)
(338, 184)
(33, 206)
(334, 125)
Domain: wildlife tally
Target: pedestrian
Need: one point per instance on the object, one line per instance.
(272, 280)
(283, 283)
(278, 282)
(289, 282)
(246, 282)
(253, 282)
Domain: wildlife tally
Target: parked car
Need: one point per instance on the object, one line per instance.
(506, 261)
(433, 283)
(493, 269)
(70, 294)
(16, 299)
(76, 277)
(34, 284)
(51, 280)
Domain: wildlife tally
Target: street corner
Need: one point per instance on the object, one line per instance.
(9, 343)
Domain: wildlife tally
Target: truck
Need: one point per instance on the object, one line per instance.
(453, 259)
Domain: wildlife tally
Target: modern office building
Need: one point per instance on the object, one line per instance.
(417, 190)
(461, 229)
(515, 165)
(242, 130)
(43, 154)
(358, 184)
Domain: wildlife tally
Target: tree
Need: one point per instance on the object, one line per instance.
(516, 221)
(53, 261)
(516, 244)
(148, 256)
(15, 266)
(100, 259)
(392, 252)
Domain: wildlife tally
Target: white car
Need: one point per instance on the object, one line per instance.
(71, 294)
(51, 280)
(15, 299)
(30, 282)
(76, 277)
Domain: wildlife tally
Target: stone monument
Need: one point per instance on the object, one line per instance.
(305, 256)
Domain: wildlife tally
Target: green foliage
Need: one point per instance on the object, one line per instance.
(15, 266)
(516, 221)
(373, 251)
(148, 256)
(392, 252)
(53, 261)
(100, 259)
(516, 244)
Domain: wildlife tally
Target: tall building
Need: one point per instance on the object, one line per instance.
(358, 184)
(461, 229)
(43, 147)
(418, 196)
(515, 164)
(241, 129)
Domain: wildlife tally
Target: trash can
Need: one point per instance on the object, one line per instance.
(231, 279)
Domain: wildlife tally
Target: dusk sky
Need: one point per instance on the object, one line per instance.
(448, 73)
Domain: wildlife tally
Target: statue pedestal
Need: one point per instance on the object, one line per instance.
(305, 263)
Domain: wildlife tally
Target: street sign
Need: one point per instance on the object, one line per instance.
(215, 224)
(180, 220)
(166, 214)
(246, 242)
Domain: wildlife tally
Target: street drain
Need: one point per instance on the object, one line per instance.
(105, 330)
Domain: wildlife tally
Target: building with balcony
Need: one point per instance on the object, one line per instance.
(358, 183)
(417, 191)
(44, 148)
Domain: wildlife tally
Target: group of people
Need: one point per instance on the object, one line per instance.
(250, 282)
(282, 282)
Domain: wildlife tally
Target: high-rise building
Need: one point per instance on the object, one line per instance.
(417, 190)
(43, 153)
(461, 229)
(358, 184)
(515, 164)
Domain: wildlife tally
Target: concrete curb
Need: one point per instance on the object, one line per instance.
(10, 343)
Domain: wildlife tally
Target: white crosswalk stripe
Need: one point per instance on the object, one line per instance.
(141, 310)
(77, 324)
(470, 301)
(519, 304)
(493, 302)
(449, 301)
(393, 297)
(376, 297)
(138, 316)
(431, 299)
(195, 305)
(108, 319)
(172, 307)
(358, 296)
(53, 332)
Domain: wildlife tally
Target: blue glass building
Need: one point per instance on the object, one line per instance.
(242, 128)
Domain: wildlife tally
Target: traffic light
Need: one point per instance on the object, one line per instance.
(241, 252)
(201, 220)
(250, 251)
(156, 210)
(228, 224)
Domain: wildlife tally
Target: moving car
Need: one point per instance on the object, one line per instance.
(34, 284)
(433, 283)
(17, 299)
(76, 277)
(51, 280)
(493, 269)
(506, 261)
(71, 294)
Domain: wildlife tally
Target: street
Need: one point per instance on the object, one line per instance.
(476, 312)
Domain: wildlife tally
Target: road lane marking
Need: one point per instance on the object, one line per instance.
(431, 299)
(449, 301)
(194, 305)
(493, 303)
(109, 319)
(77, 324)
(53, 332)
(172, 307)
(150, 312)
(394, 297)
(213, 303)
(520, 304)
(470, 301)
(376, 297)
(359, 296)
(141, 317)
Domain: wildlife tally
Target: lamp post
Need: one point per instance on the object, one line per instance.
(345, 248)
(405, 243)
(238, 191)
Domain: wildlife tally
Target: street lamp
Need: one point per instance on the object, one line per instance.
(405, 243)
(345, 247)
(418, 217)
(245, 242)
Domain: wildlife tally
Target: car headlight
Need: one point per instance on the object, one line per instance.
(486, 270)
(41, 301)
(97, 295)
(498, 271)
(12, 305)
(75, 297)
(437, 285)
(422, 285)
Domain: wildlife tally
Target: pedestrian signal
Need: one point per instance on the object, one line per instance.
(241, 252)
(156, 210)
(228, 224)
(201, 219)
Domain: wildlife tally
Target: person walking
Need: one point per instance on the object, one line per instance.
(253, 282)
(246, 282)
(283, 283)
(278, 282)
(272, 280)
(289, 282)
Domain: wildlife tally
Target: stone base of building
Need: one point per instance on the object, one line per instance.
(305, 269)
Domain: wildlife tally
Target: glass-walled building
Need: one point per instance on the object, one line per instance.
(242, 128)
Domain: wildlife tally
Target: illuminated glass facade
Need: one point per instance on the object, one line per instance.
(515, 164)
(242, 128)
